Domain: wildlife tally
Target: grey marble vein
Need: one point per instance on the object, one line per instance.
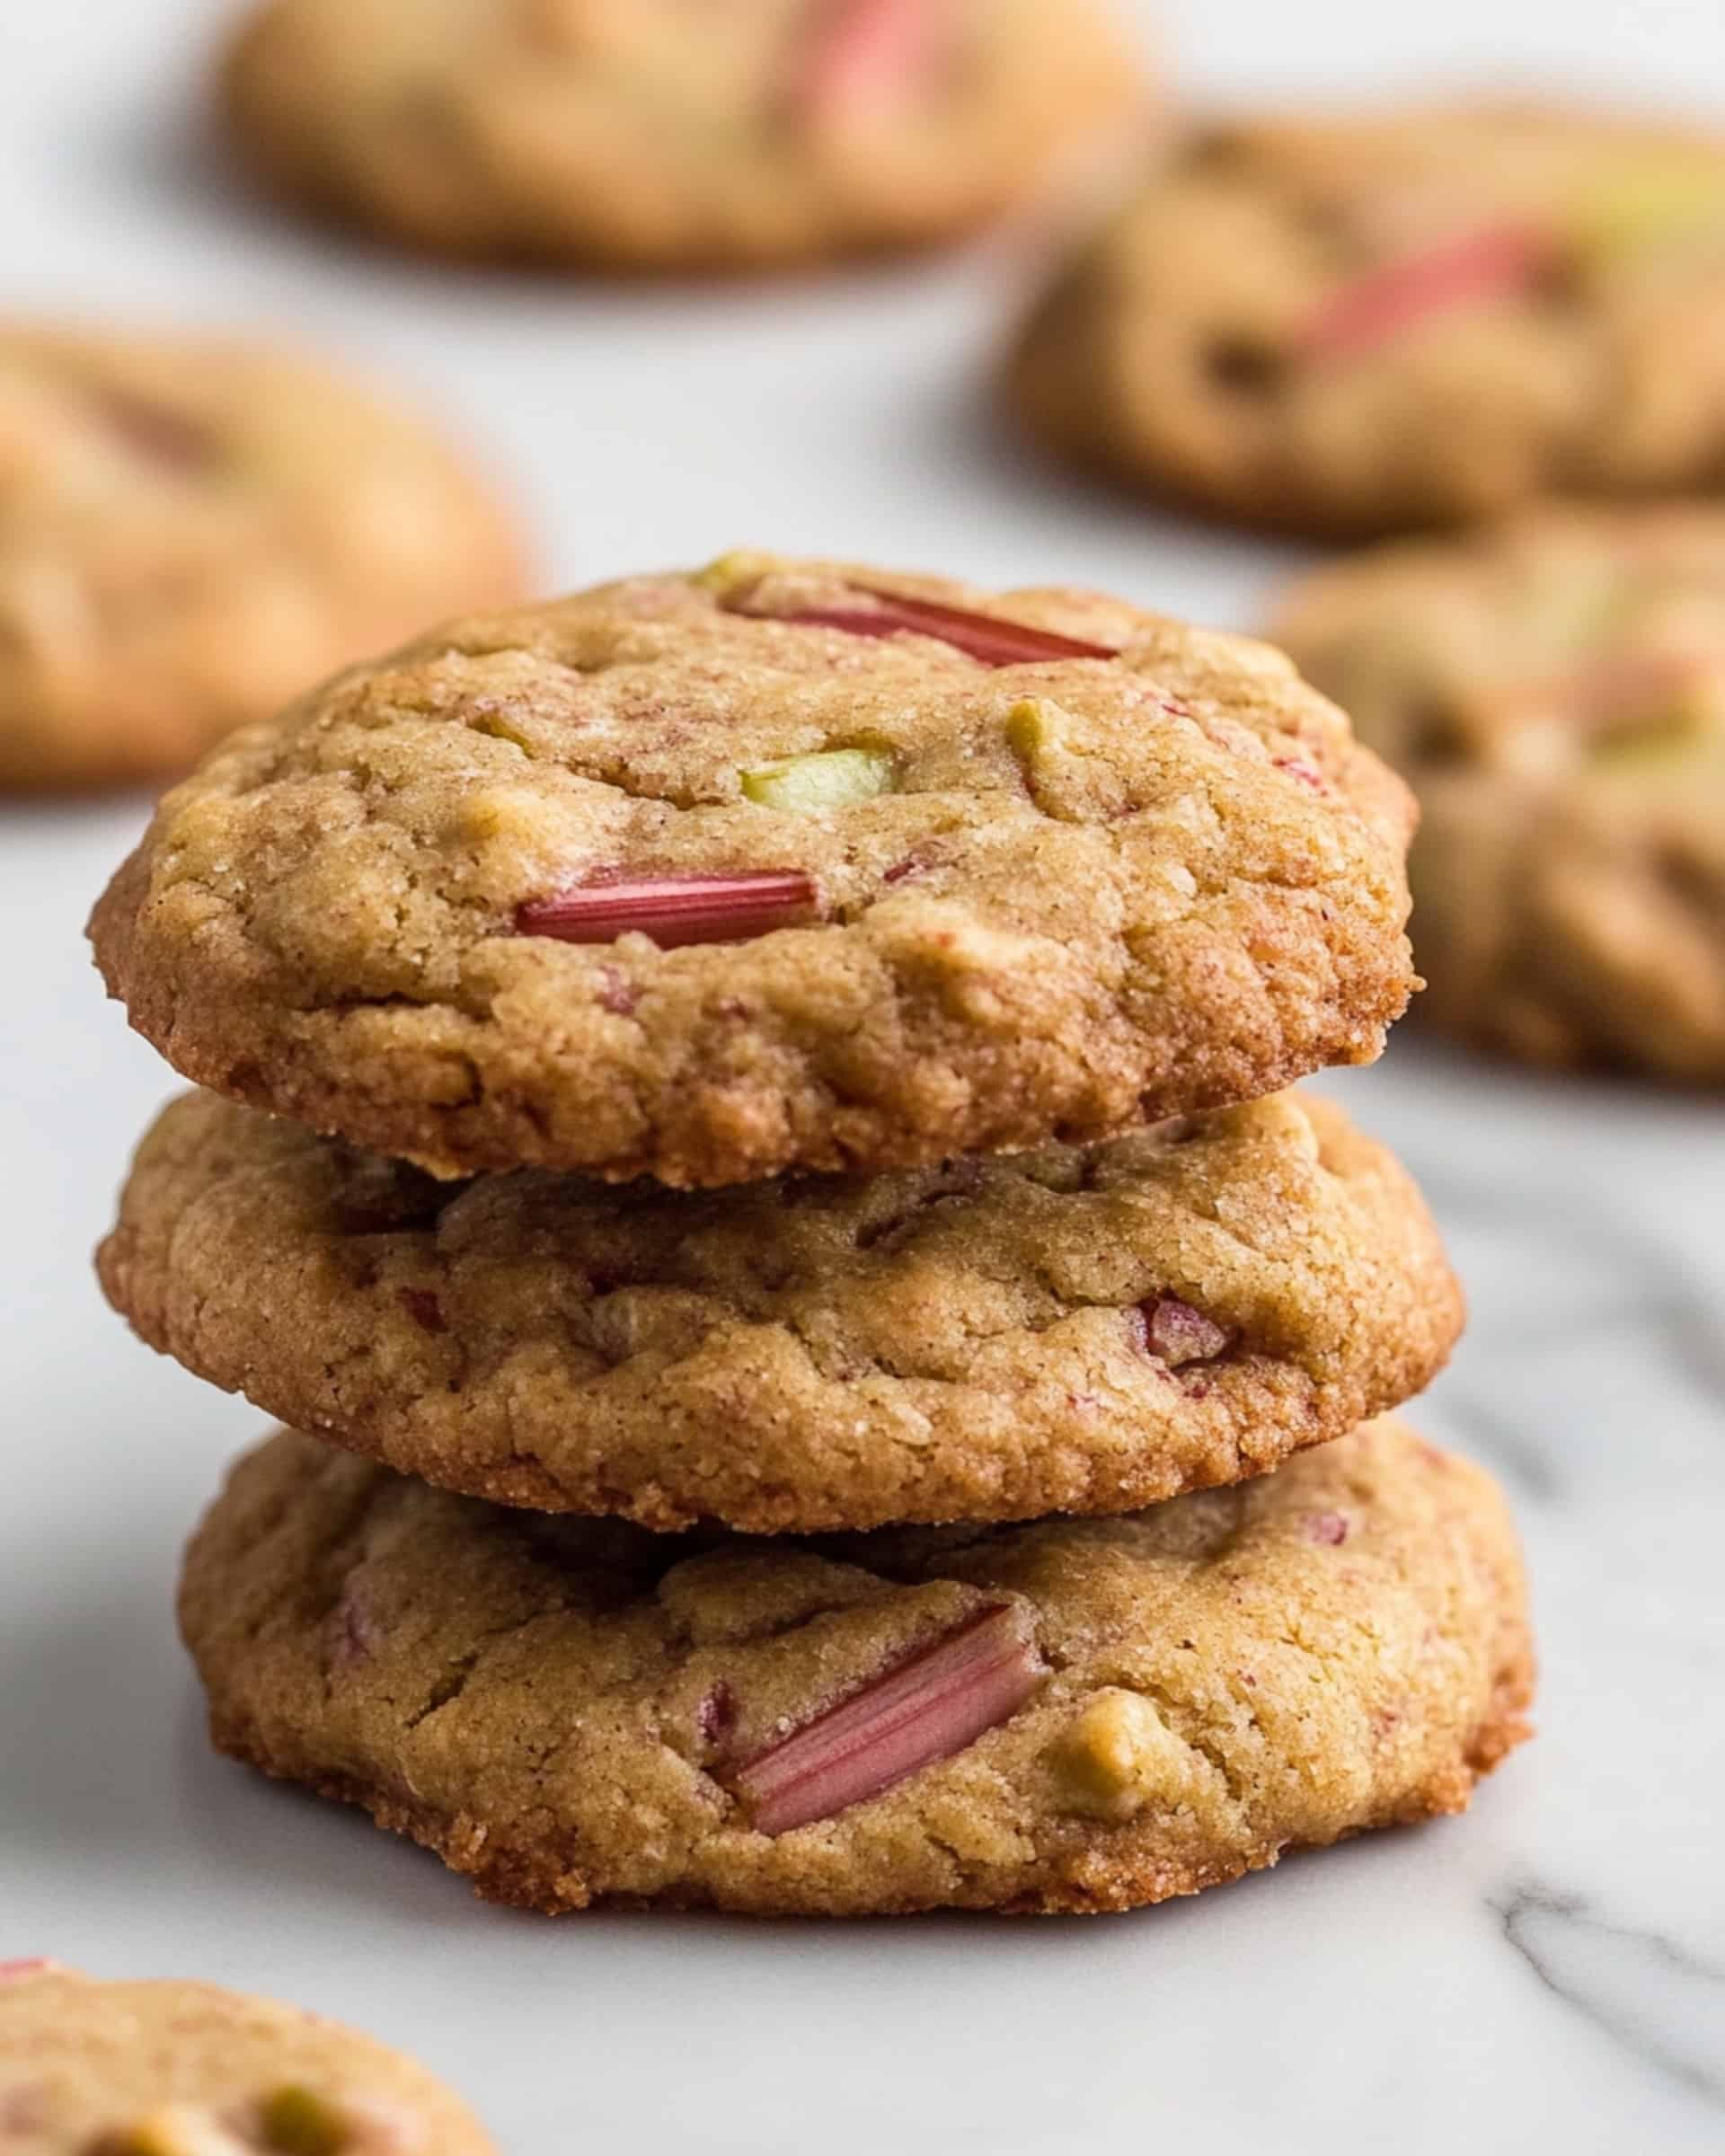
(1649, 1993)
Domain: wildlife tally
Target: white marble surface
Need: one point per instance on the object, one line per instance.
(1548, 1972)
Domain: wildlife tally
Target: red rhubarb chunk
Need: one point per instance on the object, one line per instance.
(1491, 264)
(156, 435)
(674, 909)
(12, 1972)
(933, 1704)
(423, 1305)
(984, 636)
(860, 58)
(1177, 1333)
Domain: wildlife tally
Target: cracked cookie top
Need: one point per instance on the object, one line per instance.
(1070, 1714)
(1359, 322)
(169, 2069)
(781, 865)
(1059, 1331)
(192, 530)
(658, 134)
(1554, 689)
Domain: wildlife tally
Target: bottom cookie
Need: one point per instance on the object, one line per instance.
(1068, 1715)
(90, 2069)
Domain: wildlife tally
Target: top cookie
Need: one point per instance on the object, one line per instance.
(657, 135)
(191, 531)
(1555, 689)
(1359, 323)
(782, 864)
(90, 2068)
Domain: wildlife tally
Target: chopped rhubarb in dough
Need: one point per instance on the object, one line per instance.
(155, 435)
(832, 778)
(1495, 263)
(1653, 206)
(937, 1702)
(299, 2122)
(984, 637)
(674, 909)
(1177, 1333)
(423, 1305)
(857, 60)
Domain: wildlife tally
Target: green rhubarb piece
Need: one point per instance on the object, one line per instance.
(1670, 739)
(1655, 206)
(742, 565)
(299, 2123)
(1033, 727)
(831, 778)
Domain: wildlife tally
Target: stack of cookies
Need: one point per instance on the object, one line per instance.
(832, 1379)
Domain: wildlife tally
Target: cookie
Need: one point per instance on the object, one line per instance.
(1061, 1330)
(1069, 1715)
(1361, 322)
(1555, 689)
(192, 531)
(659, 135)
(90, 2069)
(781, 865)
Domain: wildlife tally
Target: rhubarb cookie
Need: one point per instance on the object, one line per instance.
(1058, 1330)
(661, 135)
(1067, 1715)
(779, 864)
(1555, 689)
(1361, 322)
(90, 2069)
(192, 531)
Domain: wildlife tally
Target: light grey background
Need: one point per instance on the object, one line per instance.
(1549, 1971)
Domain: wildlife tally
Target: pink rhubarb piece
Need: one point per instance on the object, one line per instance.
(858, 59)
(931, 1705)
(1177, 1333)
(674, 909)
(983, 636)
(1490, 264)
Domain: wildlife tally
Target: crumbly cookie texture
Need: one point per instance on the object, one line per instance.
(1060, 1330)
(1356, 322)
(191, 531)
(661, 135)
(1555, 689)
(165, 2069)
(1068, 1715)
(781, 865)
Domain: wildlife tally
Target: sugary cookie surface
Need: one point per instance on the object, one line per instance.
(780, 864)
(1065, 1715)
(191, 532)
(1555, 691)
(1059, 1331)
(165, 2069)
(671, 133)
(1355, 323)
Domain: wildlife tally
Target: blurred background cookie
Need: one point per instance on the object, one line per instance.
(191, 531)
(657, 135)
(1355, 323)
(166, 2069)
(1555, 689)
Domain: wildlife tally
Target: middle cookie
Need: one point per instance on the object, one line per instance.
(1063, 1331)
